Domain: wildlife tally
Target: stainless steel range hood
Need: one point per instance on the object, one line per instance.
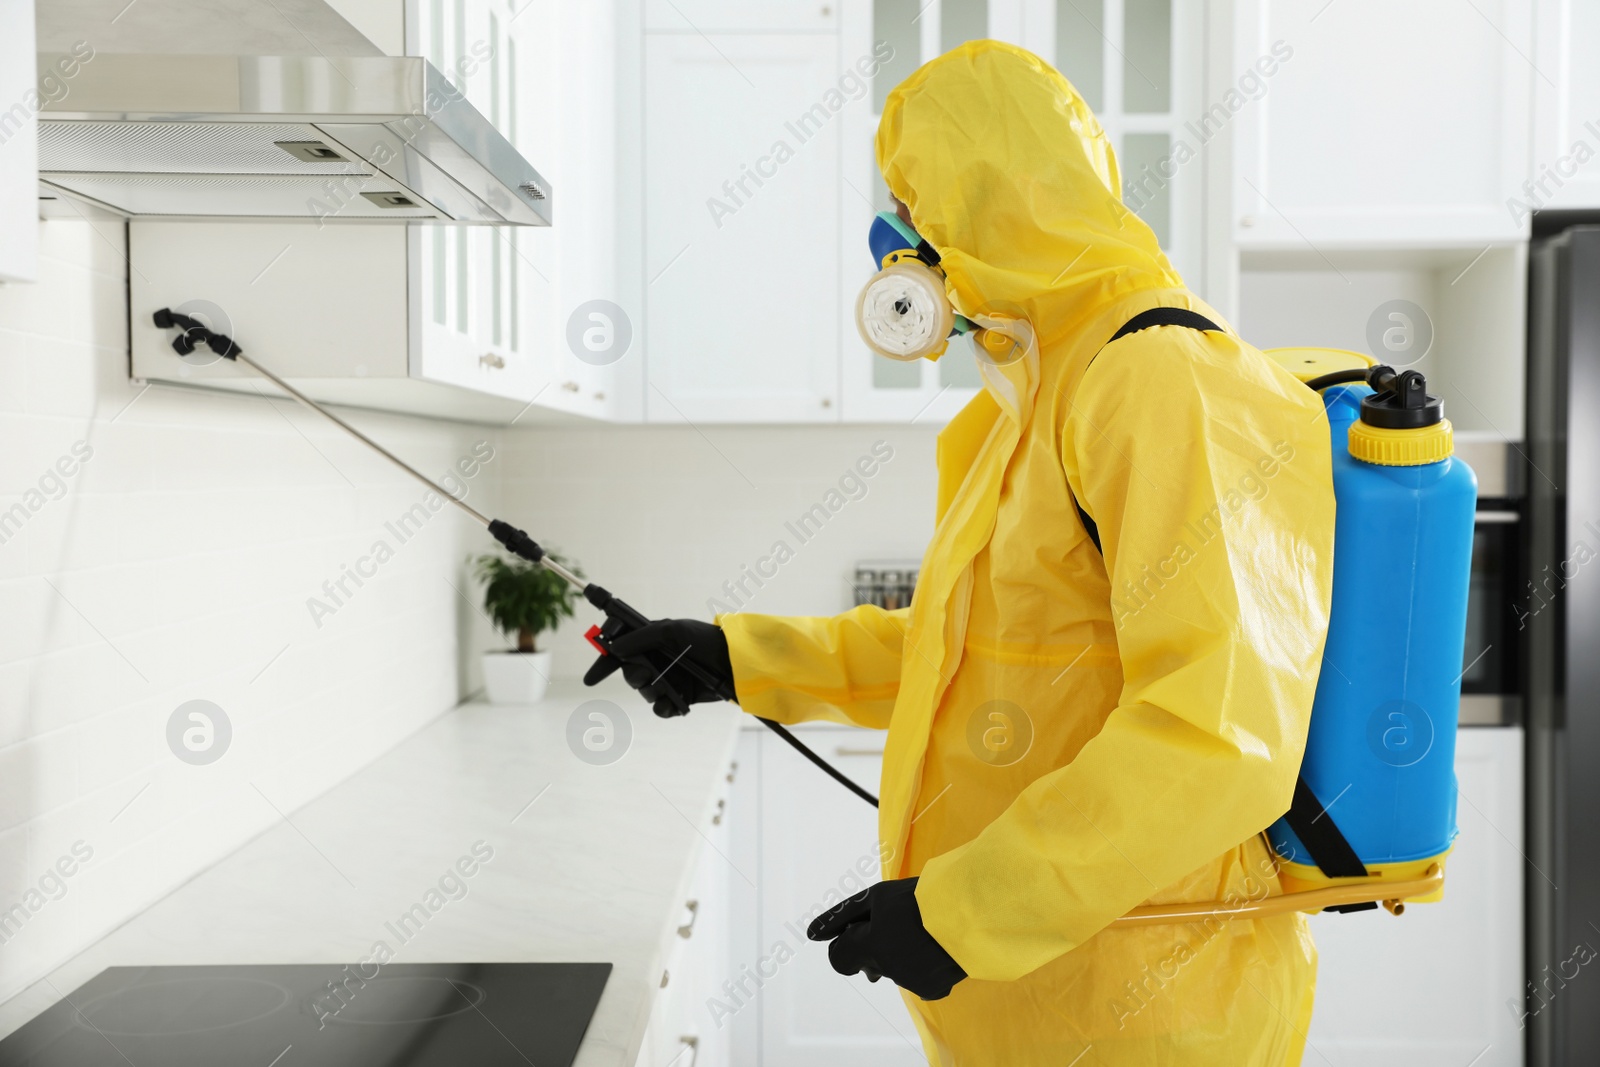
(341, 138)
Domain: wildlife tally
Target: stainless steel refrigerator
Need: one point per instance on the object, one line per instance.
(1559, 606)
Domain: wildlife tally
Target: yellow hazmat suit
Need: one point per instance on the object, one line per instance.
(1069, 734)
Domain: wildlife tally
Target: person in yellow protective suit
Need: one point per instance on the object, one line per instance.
(1075, 731)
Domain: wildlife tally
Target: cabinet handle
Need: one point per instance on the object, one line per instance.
(571, 387)
(665, 977)
(722, 806)
(691, 1045)
(842, 751)
(827, 401)
(733, 769)
(686, 931)
(490, 359)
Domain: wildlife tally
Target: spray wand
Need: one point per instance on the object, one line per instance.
(621, 618)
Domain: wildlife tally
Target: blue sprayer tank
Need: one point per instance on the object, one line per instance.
(1380, 756)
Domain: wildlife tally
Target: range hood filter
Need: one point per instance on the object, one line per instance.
(282, 137)
(215, 169)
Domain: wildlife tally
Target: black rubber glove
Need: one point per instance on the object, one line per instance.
(651, 659)
(879, 931)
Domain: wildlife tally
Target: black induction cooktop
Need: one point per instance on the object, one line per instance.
(318, 1015)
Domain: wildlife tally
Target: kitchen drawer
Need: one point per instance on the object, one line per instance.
(672, 1036)
(681, 1030)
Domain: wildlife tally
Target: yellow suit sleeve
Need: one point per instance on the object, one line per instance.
(844, 668)
(1208, 475)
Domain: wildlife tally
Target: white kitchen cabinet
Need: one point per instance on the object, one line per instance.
(464, 322)
(471, 284)
(891, 38)
(1384, 125)
(681, 1031)
(741, 207)
(19, 154)
(1441, 985)
(1140, 67)
(544, 74)
(805, 843)
(742, 1028)
(497, 300)
(1563, 172)
(596, 361)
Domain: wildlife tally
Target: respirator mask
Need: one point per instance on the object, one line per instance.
(904, 312)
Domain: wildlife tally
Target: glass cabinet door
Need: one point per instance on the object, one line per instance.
(473, 279)
(895, 39)
(1138, 64)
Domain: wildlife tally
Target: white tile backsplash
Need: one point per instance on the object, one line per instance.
(174, 563)
(665, 516)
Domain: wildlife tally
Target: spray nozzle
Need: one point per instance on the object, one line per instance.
(195, 333)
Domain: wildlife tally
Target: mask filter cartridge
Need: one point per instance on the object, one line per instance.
(903, 312)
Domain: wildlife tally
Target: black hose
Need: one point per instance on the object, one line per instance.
(1338, 377)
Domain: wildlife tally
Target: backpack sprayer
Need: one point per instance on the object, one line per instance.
(621, 618)
(1382, 739)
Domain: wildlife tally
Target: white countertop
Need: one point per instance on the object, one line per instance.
(590, 862)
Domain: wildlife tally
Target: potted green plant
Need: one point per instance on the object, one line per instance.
(524, 600)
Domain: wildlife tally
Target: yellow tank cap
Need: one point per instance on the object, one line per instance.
(1402, 448)
(1309, 363)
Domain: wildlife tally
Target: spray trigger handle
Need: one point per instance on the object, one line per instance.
(592, 635)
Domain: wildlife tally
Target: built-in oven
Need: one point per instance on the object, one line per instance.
(1500, 599)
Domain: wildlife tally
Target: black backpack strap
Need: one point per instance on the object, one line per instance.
(1307, 817)
(1315, 828)
(1088, 525)
(1165, 317)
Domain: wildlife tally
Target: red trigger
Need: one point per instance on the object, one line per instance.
(592, 635)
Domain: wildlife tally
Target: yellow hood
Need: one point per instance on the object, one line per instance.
(1009, 175)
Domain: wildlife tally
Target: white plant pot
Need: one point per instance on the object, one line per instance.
(516, 677)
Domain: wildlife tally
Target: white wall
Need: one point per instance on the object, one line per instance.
(664, 516)
(175, 563)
